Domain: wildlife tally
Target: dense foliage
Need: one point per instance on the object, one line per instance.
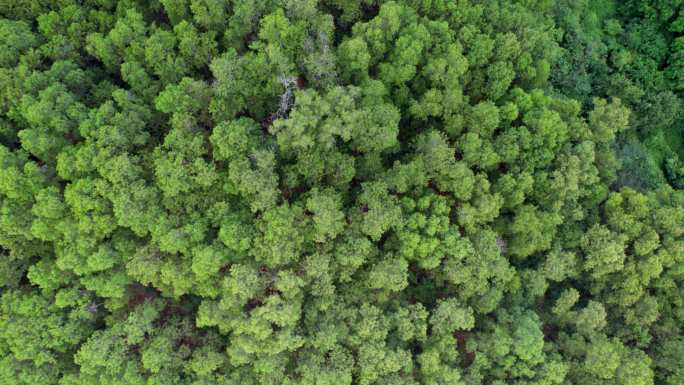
(336, 192)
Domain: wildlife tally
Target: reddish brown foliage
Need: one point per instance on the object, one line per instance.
(139, 294)
(461, 339)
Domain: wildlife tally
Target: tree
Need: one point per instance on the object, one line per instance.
(604, 251)
(329, 192)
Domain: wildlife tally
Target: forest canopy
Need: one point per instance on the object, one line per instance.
(338, 192)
